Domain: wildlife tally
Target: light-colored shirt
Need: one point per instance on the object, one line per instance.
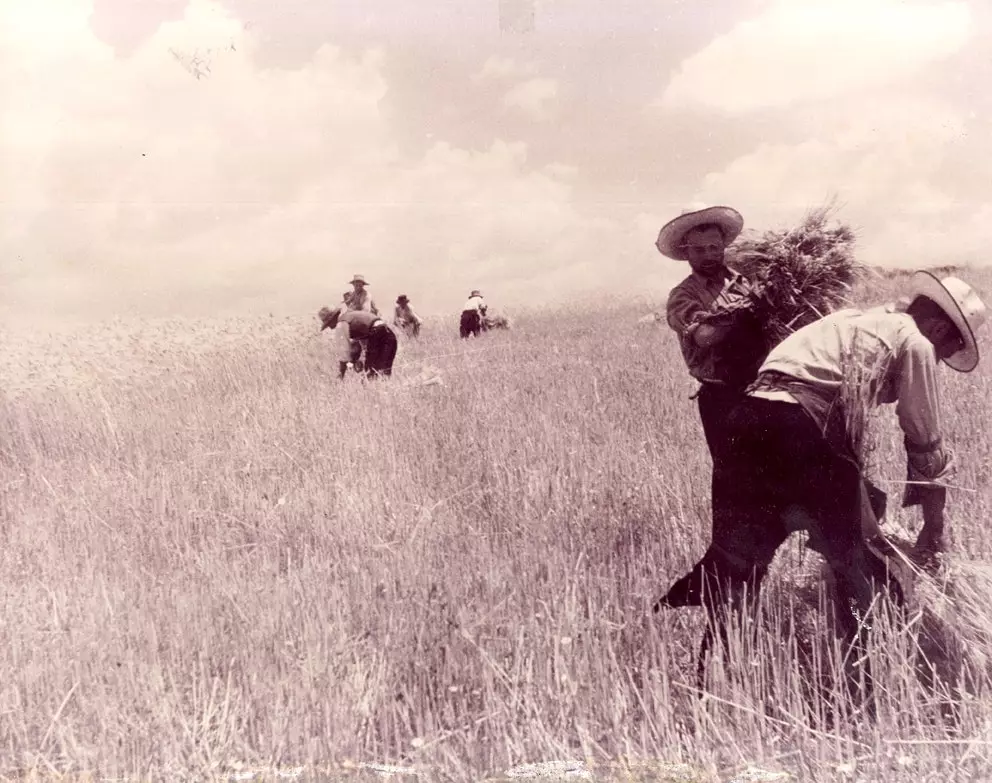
(475, 303)
(687, 303)
(362, 301)
(880, 352)
(353, 325)
(404, 314)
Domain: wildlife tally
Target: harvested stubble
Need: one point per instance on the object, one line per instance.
(803, 273)
(944, 627)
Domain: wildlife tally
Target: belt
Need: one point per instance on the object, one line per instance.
(779, 395)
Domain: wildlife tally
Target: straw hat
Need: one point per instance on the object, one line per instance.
(357, 279)
(474, 293)
(670, 237)
(962, 305)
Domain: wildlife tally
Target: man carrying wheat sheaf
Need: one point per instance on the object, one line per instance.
(722, 351)
(793, 460)
(359, 298)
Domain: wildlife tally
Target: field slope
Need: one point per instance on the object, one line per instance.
(216, 557)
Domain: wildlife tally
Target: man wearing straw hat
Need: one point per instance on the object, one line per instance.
(473, 311)
(794, 462)
(364, 328)
(360, 298)
(722, 353)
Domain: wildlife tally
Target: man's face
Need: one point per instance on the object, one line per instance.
(937, 328)
(704, 250)
(944, 335)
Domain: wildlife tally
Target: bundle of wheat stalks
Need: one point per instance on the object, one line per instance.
(955, 615)
(801, 273)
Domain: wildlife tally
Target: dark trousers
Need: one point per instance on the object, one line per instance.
(777, 475)
(380, 351)
(470, 323)
(716, 401)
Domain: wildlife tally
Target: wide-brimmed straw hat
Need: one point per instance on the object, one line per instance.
(669, 241)
(357, 279)
(962, 305)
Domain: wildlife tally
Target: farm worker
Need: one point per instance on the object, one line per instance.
(473, 311)
(722, 354)
(366, 329)
(405, 318)
(360, 298)
(792, 463)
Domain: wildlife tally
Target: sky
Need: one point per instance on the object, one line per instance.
(165, 157)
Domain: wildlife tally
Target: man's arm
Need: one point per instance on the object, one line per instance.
(927, 461)
(683, 313)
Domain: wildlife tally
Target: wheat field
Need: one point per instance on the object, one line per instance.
(220, 563)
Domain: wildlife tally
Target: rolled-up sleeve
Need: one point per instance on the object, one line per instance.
(682, 310)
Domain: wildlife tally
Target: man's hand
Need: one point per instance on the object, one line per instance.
(709, 333)
(931, 541)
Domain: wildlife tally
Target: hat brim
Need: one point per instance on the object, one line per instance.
(356, 280)
(670, 237)
(926, 284)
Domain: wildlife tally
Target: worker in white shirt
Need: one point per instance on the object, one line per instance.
(369, 331)
(359, 298)
(473, 312)
(790, 464)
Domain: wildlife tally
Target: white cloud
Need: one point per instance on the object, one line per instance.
(810, 50)
(881, 160)
(498, 68)
(534, 97)
(132, 185)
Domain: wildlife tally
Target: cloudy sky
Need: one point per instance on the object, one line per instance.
(171, 157)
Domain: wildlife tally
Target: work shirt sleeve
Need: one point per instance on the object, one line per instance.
(918, 410)
(682, 310)
(343, 341)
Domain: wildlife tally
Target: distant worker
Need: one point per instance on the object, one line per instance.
(473, 312)
(368, 331)
(404, 318)
(360, 298)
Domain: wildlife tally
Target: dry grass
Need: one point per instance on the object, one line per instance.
(222, 559)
